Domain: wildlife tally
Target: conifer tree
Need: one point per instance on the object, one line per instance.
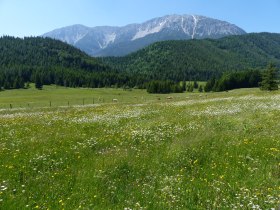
(269, 81)
(210, 85)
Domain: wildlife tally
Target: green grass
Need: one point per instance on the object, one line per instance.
(60, 96)
(197, 151)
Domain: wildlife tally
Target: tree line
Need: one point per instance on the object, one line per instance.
(45, 61)
(266, 80)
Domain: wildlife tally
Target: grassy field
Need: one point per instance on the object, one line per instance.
(60, 96)
(55, 96)
(196, 151)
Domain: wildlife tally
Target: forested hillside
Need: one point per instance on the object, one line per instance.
(51, 62)
(47, 61)
(201, 59)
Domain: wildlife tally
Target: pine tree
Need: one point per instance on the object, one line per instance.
(210, 85)
(269, 79)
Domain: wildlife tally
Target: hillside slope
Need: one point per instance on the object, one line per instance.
(200, 59)
(44, 52)
(50, 62)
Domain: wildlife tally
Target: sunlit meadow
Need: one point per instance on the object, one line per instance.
(194, 151)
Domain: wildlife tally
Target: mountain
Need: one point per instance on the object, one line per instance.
(53, 62)
(200, 59)
(119, 41)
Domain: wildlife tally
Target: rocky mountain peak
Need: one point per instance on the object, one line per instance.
(117, 41)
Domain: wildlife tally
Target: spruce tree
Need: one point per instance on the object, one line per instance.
(269, 81)
(210, 85)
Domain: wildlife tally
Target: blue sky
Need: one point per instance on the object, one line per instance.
(35, 17)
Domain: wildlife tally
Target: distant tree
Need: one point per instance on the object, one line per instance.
(269, 79)
(255, 78)
(200, 89)
(27, 85)
(21, 82)
(210, 85)
(18, 83)
(190, 87)
(184, 86)
(195, 85)
(177, 88)
(7, 84)
(38, 82)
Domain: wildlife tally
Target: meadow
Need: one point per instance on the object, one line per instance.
(194, 151)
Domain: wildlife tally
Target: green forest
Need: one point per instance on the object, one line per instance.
(45, 61)
(201, 59)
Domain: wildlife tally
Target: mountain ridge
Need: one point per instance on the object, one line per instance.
(122, 40)
(200, 59)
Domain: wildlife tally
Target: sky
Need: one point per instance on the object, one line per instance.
(36, 17)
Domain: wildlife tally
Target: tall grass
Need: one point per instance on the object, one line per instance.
(220, 151)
